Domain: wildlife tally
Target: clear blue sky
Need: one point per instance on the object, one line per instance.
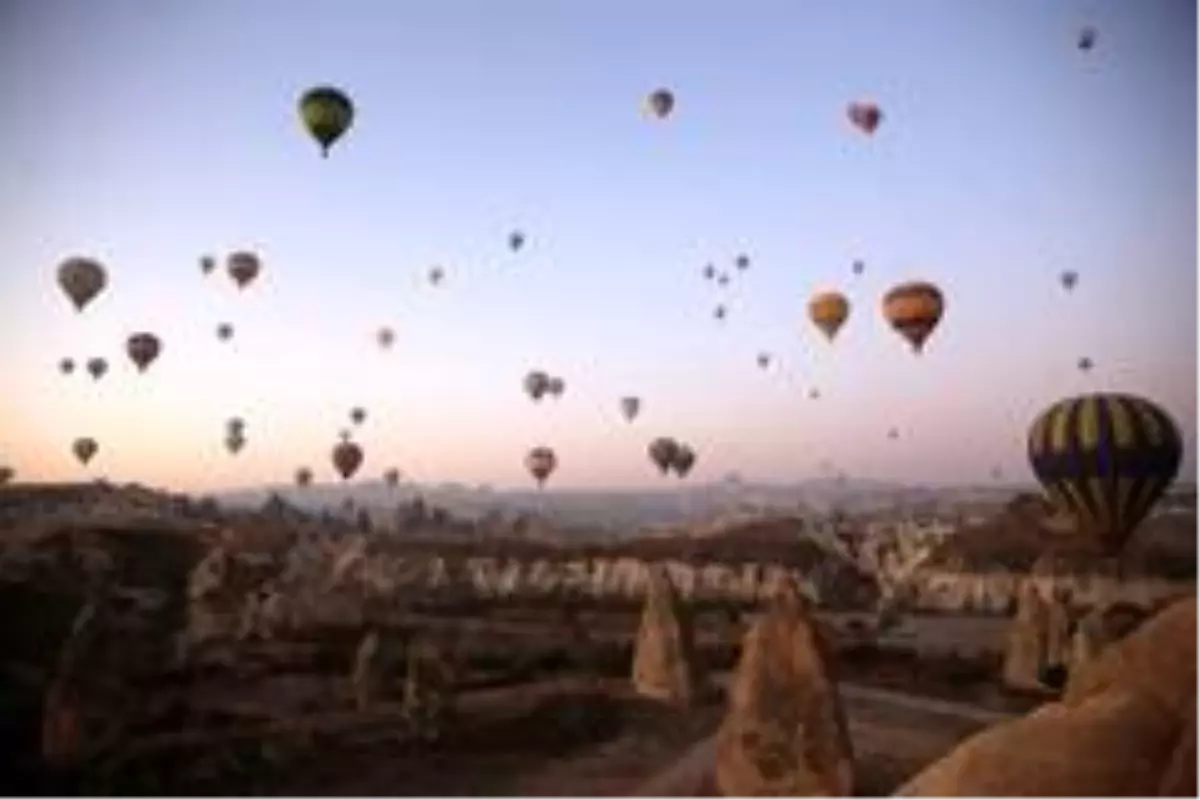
(148, 134)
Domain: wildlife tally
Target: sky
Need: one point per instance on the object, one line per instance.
(147, 135)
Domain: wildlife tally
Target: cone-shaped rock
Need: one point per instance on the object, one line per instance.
(1026, 646)
(785, 731)
(665, 666)
(1116, 743)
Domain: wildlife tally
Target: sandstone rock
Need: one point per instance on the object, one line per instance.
(428, 701)
(1101, 627)
(1116, 743)
(1026, 646)
(785, 732)
(665, 666)
(1058, 633)
(1157, 660)
(1179, 779)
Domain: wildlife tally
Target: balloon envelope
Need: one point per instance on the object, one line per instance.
(85, 448)
(327, 113)
(829, 312)
(1106, 458)
(661, 103)
(541, 462)
(914, 310)
(143, 349)
(81, 279)
(347, 458)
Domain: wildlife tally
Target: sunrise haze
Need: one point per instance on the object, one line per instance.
(148, 135)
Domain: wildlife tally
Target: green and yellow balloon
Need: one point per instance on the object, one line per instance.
(327, 114)
(1106, 458)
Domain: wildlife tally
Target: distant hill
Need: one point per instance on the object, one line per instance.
(629, 510)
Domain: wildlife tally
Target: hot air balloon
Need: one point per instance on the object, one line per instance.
(386, 337)
(662, 452)
(207, 264)
(536, 384)
(143, 349)
(97, 367)
(742, 262)
(764, 360)
(347, 457)
(303, 477)
(84, 448)
(224, 331)
(391, 476)
(630, 406)
(436, 274)
(1087, 38)
(661, 103)
(709, 272)
(556, 386)
(914, 311)
(858, 266)
(358, 415)
(814, 394)
(235, 424)
(234, 442)
(829, 311)
(719, 312)
(685, 458)
(81, 279)
(865, 116)
(66, 366)
(893, 433)
(516, 240)
(723, 280)
(1106, 458)
(1068, 278)
(243, 266)
(327, 113)
(6, 475)
(541, 462)
(1085, 364)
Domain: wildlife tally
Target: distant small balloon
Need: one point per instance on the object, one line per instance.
(663, 452)
(893, 433)
(661, 103)
(630, 407)
(764, 360)
(235, 424)
(719, 312)
(347, 458)
(224, 331)
(541, 462)
(97, 367)
(723, 280)
(303, 476)
(814, 394)
(536, 384)
(327, 113)
(865, 116)
(858, 266)
(85, 448)
(685, 459)
(914, 310)
(1069, 278)
(66, 366)
(709, 272)
(82, 279)
(386, 337)
(556, 387)
(829, 312)
(516, 240)
(391, 477)
(6, 475)
(742, 262)
(1087, 38)
(1085, 364)
(358, 415)
(143, 349)
(436, 274)
(207, 264)
(243, 266)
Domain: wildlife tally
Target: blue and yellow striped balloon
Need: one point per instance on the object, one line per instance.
(1107, 458)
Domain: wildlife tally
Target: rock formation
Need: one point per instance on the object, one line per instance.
(1114, 744)
(665, 666)
(1026, 647)
(428, 701)
(785, 732)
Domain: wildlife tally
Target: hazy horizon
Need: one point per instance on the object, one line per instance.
(148, 137)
